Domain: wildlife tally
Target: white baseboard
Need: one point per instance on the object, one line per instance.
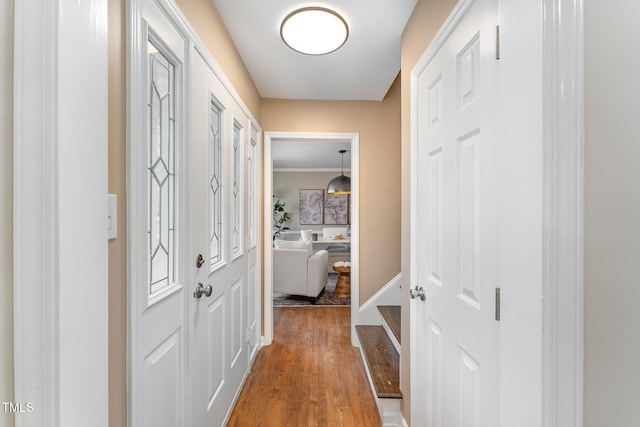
(388, 295)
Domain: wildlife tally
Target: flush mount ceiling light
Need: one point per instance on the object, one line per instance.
(314, 30)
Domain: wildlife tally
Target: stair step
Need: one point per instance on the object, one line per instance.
(383, 361)
(392, 315)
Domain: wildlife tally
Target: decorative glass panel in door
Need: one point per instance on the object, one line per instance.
(215, 184)
(161, 158)
(237, 185)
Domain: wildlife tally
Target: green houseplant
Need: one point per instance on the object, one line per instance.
(280, 218)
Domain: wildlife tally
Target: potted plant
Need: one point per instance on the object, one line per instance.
(280, 218)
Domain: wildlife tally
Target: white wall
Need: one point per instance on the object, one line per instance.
(6, 207)
(612, 288)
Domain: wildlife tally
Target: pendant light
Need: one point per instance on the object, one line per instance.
(340, 184)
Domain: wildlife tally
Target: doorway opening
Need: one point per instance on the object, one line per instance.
(303, 142)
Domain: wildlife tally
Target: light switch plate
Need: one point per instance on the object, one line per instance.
(112, 216)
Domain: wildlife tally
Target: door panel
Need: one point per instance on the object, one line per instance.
(236, 336)
(456, 221)
(162, 371)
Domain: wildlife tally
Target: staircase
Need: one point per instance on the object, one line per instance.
(380, 350)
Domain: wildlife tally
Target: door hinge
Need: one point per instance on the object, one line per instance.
(497, 42)
(498, 304)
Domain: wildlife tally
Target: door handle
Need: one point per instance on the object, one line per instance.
(202, 290)
(418, 293)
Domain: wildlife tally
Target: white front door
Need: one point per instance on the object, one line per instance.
(219, 350)
(455, 239)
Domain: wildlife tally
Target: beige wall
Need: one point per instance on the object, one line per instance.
(6, 209)
(208, 24)
(117, 185)
(427, 18)
(612, 199)
(287, 186)
(378, 124)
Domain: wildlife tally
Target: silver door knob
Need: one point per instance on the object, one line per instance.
(418, 293)
(202, 290)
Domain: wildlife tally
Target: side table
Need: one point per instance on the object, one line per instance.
(343, 287)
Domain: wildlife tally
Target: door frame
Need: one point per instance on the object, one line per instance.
(562, 317)
(564, 183)
(306, 137)
(60, 249)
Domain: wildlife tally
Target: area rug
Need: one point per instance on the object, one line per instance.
(326, 297)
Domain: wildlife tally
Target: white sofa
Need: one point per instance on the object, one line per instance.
(297, 270)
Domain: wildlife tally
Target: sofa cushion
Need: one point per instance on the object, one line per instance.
(298, 244)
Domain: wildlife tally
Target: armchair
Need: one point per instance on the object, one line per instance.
(297, 270)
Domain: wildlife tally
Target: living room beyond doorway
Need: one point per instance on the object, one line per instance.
(311, 256)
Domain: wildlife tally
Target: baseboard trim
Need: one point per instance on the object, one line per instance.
(388, 295)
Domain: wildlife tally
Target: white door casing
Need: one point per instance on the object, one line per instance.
(563, 232)
(60, 256)
(305, 137)
(455, 256)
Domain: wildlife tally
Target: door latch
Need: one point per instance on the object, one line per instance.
(199, 260)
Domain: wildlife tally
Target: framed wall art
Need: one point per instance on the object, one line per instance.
(311, 207)
(336, 209)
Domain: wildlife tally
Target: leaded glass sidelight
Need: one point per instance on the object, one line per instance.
(215, 184)
(237, 197)
(161, 169)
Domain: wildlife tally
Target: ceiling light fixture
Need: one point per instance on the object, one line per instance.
(340, 184)
(314, 30)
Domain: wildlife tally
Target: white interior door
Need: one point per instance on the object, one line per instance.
(158, 223)
(218, 313)
(455, 244)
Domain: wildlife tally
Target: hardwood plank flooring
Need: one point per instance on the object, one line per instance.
(311, 376)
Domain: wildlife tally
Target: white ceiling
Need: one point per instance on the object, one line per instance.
(294, 155)
(363, 69)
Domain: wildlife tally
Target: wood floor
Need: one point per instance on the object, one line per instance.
(310, 376)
